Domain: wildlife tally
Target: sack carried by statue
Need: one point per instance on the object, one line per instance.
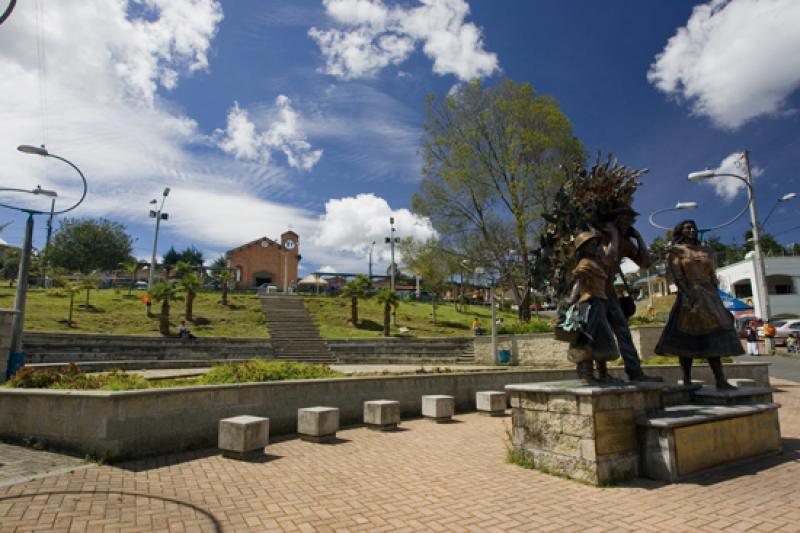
(569, 327)
(628, 306)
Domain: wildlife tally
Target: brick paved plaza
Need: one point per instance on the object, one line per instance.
(427, 477)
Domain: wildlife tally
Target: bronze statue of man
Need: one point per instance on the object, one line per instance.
(622, 240)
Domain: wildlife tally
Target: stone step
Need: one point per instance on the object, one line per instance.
(738, 396)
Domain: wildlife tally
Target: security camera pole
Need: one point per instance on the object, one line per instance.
(159, 216)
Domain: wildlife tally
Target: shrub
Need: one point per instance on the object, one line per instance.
(261, 370)
(71, 377)
(520, 328)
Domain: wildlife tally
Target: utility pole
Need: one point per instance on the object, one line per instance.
(761, 287)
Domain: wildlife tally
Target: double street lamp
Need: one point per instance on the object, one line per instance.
(16, 356)
(761, 291)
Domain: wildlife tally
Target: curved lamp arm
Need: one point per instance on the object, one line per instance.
(746, 205)
(44, 153)
(679, 206)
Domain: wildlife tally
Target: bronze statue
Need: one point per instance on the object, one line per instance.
(699, 326)
(595, 343)
(619, 236)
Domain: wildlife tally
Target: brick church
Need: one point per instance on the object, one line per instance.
(264, 261)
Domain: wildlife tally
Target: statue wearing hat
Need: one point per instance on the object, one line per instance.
(595, 343)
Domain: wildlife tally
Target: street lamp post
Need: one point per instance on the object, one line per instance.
(371, 248)
(16, 357)
(159, 216)
(785, 198)
(391, 240)
(761, 290)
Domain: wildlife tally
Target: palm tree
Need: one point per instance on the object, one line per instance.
(224, 277)
(88, 282)
(190, 282)
(131, 268)
(165, 293)
(389, 299)
(71, 287)
(355, 289)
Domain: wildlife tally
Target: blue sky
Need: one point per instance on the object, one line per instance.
(262, 115)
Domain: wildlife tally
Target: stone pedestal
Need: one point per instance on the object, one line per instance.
(686, 439)
(583, 432)
(742, 382)
(678, 394)
(739, 396)
(317, 424)
(491, 402)
(439, 408)
(383, 415)
(243, 437)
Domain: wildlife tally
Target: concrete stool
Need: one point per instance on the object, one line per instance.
(383, 415)
(318, 424)
(243, 437)
(742, 382)
(491, 402)
(438, 408)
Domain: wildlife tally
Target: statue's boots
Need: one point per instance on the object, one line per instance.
(604, 377)
(641, 376)
(722, 384)
(586, 372)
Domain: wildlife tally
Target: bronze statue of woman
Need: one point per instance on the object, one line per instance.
(699, 326)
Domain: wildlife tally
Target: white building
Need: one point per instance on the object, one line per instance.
(783, 282)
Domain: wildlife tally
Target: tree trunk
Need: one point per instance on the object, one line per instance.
(433, 303)
(189, 305)
(224, 293)
(163, 323)
(130, 287)
(387, 317)
(71, 301)
(354, 311)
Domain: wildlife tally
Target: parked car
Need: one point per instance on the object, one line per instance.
(140, 285)
(789, 327)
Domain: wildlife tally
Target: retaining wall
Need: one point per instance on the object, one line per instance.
(544, 351)
(6, 325)
(116, 425)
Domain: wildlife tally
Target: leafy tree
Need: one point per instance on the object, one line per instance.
(224, 277)
(432, 262)
(166, 293)
(355, 289)
(219, 263)
(769, 246)
(85, 245)
(493, 162)
(9, 267)
(725, 253)
(388, 298)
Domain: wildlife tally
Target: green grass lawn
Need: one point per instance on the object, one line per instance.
(332, 316)
(112, 311)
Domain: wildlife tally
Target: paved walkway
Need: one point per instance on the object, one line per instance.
(426, 477)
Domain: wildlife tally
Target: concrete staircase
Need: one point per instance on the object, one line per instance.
(293, 334)
(94, 352)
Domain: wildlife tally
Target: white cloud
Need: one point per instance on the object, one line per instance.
(375, 36)
(351, 224)
(283, 133)
(726, 187)
(734, 60)
(326, 268)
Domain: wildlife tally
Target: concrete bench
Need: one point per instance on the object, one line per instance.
(491, 402)
(439, 408)
(317, 424)
(383, 415)
(243, 437)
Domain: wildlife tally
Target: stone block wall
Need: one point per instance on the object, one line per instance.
(544, 351)
(6, 323)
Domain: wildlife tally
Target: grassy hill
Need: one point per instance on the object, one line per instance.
(114, 311)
